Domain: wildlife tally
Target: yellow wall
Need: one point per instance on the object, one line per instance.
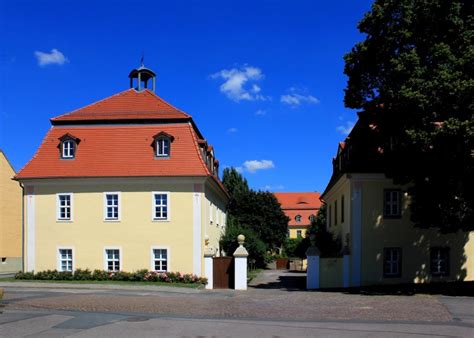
(10, 214)
(379, 233)
(294, 232)
(135, 234)
(215, 224)
(341, 188)
(330, 273)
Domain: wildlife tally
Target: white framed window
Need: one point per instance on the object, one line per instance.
(299, 233)
(64, 207)
(65, 259)
(217, 216)
(391, 203)
(112, 259)
(111, 206)
(68, 149)
(298, 218)
(392, 262)
(163, 147)
(161, 206)
(439, 262)
(159, 259)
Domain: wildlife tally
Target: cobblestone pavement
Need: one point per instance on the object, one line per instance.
(274, 298)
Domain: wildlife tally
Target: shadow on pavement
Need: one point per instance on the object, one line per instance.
(285, 283)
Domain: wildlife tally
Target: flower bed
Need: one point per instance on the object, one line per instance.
(101, 275)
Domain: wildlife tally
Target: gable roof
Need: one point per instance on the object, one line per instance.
(299, 200)
(127, 105)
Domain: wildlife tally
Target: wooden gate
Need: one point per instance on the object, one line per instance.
(223, 272)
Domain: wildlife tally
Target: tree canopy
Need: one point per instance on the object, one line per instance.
(258, 212)
(413, 74)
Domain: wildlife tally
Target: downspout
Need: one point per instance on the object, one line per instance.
(22, 227)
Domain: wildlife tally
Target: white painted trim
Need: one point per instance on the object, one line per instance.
(104, 253)
(71, 196)
(356, 231)
(31, 230)
(168, 205)
(168, 257)
(58, 257)
(112, 181)
(197, 229)
(119, 206)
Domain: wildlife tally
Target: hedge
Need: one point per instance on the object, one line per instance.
(101, 275)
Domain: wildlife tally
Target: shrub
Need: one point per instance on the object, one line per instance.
(101, 275)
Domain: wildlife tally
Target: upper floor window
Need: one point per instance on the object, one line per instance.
(298, 218)
(64, 207)
(330, 216)
(111, 206)
(342, 209)
(312, 218)
(391, 203)
(335, 212)
(160, 206)
(68, 146)
(439, 261)
(162, 144)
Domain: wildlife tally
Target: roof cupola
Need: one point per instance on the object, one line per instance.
(142, 76)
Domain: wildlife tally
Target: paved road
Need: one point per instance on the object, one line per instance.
(270, 308)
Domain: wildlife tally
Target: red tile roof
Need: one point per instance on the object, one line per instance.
(117, 151)
(127, 105)
(299, 200)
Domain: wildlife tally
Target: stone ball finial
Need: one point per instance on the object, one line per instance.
(241, 239)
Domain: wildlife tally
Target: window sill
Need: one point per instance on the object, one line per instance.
(112, 220)
(160, 220)
(64, 221)
(392, 217)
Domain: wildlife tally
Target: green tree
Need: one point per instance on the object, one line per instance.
(256, 211)
(413, 78)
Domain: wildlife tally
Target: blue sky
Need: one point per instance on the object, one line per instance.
(263, 79)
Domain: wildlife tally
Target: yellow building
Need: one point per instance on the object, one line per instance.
(301, 208)
(370, 214)
(10, 218)
(126, 183)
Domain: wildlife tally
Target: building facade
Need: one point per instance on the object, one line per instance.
(126, 183)
(10, 218)
(371, 216)
(301, 208)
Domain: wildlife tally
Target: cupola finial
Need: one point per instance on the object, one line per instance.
(142, 75)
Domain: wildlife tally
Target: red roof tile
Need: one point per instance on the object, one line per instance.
(127, 105)
(117, 151)
(299, 200)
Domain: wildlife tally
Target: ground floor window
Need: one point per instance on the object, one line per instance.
(112, 258)
(65, 259)
(439, 261)
(160, 259)
(392, 262)
(298, 233)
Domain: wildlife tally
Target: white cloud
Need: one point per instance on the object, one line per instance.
(55, 57)
(345, 129)
(261, 112)
(239, 84)
(232, 130)
(273, 187)
(296, 98)
(255, 165)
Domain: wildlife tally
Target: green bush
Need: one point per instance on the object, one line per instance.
(255, 247)
(81, 274)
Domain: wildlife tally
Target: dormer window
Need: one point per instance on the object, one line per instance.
(68, 146)
(298, 218)
(68, 149)
(162, 144)
(162, 147)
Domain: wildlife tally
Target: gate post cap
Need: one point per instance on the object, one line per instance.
(241, 239)
(241, 251)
